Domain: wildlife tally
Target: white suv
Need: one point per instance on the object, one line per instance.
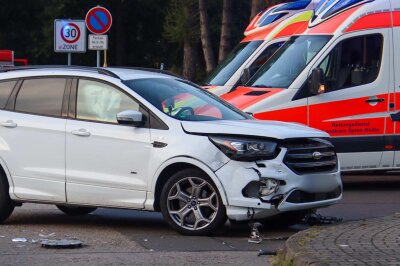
(83, 138)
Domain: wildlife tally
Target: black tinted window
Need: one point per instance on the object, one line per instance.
(5, 91)
(353, 62)
(41, 96)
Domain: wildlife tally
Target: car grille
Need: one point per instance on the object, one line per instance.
(299, 196)
(311, 155)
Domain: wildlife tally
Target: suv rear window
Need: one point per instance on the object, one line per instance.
(41, 96)
(5, 90)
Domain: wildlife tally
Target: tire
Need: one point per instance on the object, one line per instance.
(191, 203)
(285, 219)
(75, 211)
(6, 204)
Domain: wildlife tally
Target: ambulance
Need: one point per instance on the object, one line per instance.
(7, 59)
(266, 33)
(342, 75)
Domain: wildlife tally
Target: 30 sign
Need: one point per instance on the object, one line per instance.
(69, 36)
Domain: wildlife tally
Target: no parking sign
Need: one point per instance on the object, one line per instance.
(69, 36)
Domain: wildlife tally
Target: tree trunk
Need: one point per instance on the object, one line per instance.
(205, 37)
(189, 44)
(121, 39)
(256, 6)
(189, 60)
(224, 45)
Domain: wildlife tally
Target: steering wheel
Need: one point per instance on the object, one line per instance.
(184, 111)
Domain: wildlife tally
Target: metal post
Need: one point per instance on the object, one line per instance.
(98, 58)
(69, 59)
(105, 59)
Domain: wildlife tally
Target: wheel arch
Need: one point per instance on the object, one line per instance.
(4, 170)
(172, 166)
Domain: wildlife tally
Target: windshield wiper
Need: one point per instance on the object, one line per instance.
(262, 86)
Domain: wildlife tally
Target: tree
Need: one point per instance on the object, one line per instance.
(224, 45)
(205, 37)
(256, 6)
(181, 27)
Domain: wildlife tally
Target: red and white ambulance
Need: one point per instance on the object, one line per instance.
(342, 75)
(7, 59)
(267, 32)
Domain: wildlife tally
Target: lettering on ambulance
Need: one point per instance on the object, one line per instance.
(331, 25)
(352, 117)
(372, 21)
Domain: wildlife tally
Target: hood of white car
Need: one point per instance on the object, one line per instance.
(250, 127)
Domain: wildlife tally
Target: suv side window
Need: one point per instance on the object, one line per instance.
(5, 90)
(353, 62)
(43, 96)
(100, 102)
(264, 56)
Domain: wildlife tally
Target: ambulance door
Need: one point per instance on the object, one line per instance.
(353, 106)
(396, 110)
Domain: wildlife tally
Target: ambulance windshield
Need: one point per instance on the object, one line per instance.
(231, 63)
(288, 62)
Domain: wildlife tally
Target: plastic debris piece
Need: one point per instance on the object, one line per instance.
(262, 252)
(255, 236)
(145, 240)
(318, 219)
(46, 236)
(61, 243)
(343, 246)
(2, 236)
(277, 238)
(20, 239)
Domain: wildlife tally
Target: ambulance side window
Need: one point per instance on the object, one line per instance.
(353, 62)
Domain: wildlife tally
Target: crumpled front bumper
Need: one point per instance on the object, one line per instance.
(295, 192)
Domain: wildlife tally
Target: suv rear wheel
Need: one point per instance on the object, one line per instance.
(191, 204)
(70, 210)
(6, 204)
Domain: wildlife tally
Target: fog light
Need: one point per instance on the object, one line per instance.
(269, 186)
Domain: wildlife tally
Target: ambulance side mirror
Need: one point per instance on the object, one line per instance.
(246, 75)
(316, 82)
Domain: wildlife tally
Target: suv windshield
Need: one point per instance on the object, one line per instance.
(288, 62)
(184, 101)
(232, 62)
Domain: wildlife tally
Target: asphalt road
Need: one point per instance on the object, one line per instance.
(126, 237)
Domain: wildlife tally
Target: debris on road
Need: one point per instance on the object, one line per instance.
(318, 219)
(255, 236)
(266, 252)
(62, 243)
(20, 239)
(47, 236)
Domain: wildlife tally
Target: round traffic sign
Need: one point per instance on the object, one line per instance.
(98, 20)
(70, 33)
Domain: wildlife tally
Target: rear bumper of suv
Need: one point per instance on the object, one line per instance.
(290, 191)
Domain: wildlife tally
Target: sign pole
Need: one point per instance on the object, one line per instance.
(69, 59)
(105, 58)
(98, 58)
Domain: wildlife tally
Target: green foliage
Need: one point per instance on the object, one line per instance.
(181, 23)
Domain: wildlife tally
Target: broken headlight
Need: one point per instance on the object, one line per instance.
(246, 149)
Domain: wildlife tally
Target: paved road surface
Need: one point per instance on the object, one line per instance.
(142, 238)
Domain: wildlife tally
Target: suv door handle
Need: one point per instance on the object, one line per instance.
(374, 100)
(9, 124)
(81, 132)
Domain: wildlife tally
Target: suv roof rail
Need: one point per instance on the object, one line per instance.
(99, 70)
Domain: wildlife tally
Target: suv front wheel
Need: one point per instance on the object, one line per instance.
(191, 204)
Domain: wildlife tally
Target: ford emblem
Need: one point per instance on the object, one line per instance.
(317, 155)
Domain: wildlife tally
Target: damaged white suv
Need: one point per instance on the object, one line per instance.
(82, 138)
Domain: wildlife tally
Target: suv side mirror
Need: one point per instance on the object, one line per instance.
(246, 75)
(316, 82)
(131, 117)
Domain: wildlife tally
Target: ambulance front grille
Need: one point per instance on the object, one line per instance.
(310, 155)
